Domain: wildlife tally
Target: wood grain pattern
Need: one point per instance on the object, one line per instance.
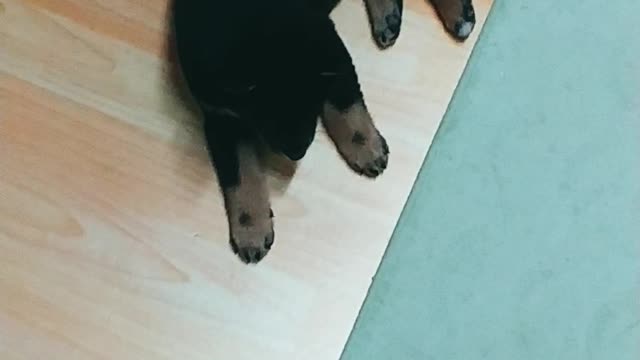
(113, 238)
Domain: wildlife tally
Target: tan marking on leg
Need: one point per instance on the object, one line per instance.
(357, 139)
(249, 210)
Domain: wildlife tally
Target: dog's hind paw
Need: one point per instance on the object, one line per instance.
(386, 19)
(458, 17)
(248, 209)
(252, 236)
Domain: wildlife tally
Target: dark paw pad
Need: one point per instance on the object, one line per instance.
(358, 138)
(245, 219)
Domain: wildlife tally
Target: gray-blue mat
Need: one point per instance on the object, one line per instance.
(521, 239)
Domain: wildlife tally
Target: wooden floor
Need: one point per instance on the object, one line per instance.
(113, 238)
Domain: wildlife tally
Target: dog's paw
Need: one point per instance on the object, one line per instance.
(465, 23)
(386, 20)
(252, 236)
(356, 138)
(368, 156)
(458, 17)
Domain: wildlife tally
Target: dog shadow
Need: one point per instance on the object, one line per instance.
(278, 168)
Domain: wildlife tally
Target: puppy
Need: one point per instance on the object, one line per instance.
(385, 16)
(265, 71)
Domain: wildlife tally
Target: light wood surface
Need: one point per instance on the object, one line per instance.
(113, 238)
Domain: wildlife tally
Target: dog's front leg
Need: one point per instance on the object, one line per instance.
(244, 187)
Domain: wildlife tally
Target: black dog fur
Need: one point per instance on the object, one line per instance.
(265, 71)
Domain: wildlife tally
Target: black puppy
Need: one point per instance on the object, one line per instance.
(265, 71)
(385, 17)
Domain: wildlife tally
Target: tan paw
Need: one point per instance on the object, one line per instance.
(357, 139)
(367, 156)
(252, 236)
(248, 210)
